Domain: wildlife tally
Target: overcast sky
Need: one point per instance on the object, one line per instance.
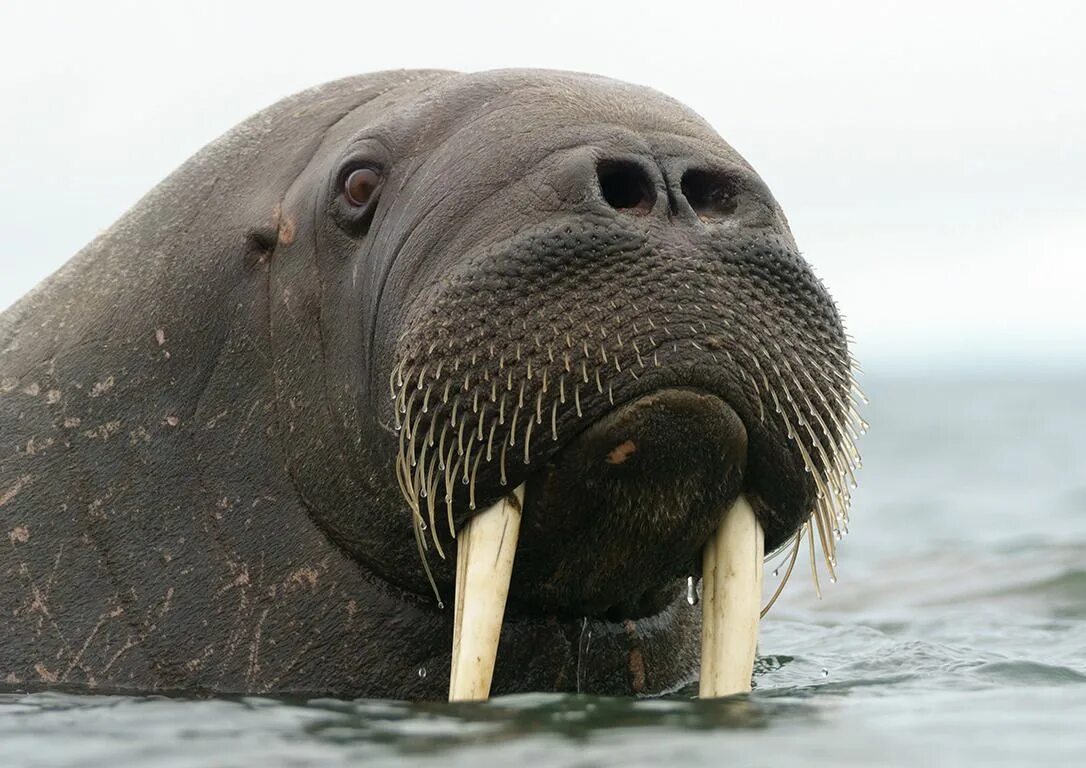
(931, 157)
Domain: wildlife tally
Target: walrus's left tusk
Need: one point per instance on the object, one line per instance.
(731, 602)
(484, 565)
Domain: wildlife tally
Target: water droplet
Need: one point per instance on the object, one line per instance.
(422, 672)
(440, 605)
(691, 591)
(776, 571)
(825, 672)
(833, 579)
(422, 525)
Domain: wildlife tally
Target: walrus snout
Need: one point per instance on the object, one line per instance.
(627, 506)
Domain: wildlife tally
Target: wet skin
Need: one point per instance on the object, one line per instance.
(211, 416)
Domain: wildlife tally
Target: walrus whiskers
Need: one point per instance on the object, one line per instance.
(814, 562)
(823, 436)
(797, 539)
(794, 434)
(471, 484)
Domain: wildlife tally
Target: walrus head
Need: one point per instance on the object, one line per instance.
(571, 287)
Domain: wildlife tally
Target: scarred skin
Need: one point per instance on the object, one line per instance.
(198, 435)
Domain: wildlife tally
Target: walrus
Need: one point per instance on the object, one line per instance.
(419, 382)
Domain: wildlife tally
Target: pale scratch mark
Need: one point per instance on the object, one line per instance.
(14, 490)
(286, 229)
(241, 583)
(254, 650)
(244, 427)
(129, 643)
(39, 599)
(35, 445)
(55, 570)
(214, 420)
(165, 607)
(44, 673)
(241, 580)
(271, 684)
(193, 665)
(351, 608)
(20, 534)
(145, 631)
(103, 431)
(303, 576)
(39, 606)
(102, 387)
(102, 619)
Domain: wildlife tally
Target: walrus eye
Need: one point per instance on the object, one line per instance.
(360, 186)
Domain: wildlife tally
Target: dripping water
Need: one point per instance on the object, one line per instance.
(691, 591)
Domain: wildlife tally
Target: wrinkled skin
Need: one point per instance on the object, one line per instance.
(198, 413)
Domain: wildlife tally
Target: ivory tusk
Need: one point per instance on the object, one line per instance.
(484, 565)
(731, 602)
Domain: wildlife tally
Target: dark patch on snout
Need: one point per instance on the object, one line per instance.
(601, 530)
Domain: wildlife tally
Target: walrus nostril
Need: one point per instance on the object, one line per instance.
(626, 187)
(710, 194)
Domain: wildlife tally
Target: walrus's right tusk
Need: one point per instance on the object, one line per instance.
(731, 602)
(484, 565)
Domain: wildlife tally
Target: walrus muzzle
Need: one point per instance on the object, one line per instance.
(670, 398)
(632, 476)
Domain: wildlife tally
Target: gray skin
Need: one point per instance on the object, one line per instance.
(198, 413)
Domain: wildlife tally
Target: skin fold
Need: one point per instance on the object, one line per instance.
(205, 414)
